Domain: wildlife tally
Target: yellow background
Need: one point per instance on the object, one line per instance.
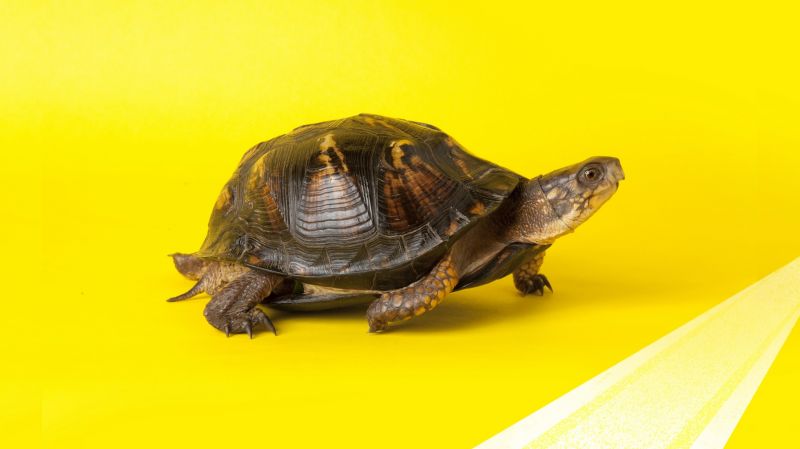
(122, 120)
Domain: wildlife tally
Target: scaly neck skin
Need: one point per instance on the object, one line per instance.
(525, 217)
(528, 217)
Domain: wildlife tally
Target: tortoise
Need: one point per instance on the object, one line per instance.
(381, 210)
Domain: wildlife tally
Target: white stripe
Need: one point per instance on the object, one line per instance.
(719, 430)
(688, 389)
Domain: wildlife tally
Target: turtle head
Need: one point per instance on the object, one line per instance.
(556, 203)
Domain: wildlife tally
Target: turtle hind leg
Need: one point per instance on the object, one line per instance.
(233, 308)
(415, 299)
(527, 278)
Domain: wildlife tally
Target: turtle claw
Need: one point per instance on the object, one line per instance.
(546, 282)
(377, 326)
(247, 322)
(267, 323)
(534, 284)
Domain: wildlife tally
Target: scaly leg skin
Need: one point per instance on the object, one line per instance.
(527, 278)
(414, 300)
(233, 309)
(235, 291)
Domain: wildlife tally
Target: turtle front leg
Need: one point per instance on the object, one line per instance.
(527, 278)
(415, 299)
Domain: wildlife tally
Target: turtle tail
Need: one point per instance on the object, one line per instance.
(193, 268)
(199, 287)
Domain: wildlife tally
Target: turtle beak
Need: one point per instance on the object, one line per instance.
(615, 170)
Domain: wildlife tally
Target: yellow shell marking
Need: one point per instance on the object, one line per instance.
(256, 173)
(327, 143)
(478, 208)
(223, 199)
(398, 153)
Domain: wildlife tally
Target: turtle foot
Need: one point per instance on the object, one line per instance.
(533, 284)
(233, 309)
(246, 322)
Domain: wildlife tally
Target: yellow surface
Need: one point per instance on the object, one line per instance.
(770, 416)
(121, 121)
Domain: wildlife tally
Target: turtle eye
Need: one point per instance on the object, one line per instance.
(591, 174)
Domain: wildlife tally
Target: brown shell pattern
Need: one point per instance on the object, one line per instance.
(366, 202)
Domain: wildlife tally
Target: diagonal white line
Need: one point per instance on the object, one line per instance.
(719, 430)
(688, 389)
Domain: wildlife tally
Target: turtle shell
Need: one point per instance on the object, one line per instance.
(366, 202)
